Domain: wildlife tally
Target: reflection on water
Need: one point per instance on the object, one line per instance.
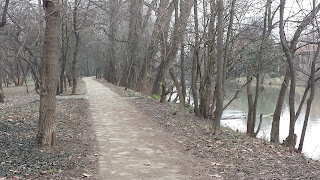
(237, 112)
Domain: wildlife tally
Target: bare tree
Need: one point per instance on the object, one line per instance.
(311, 83)
(76, 48)
(219, 81)
(195, 62)
(252, 104)
(46, 132)
(289, 49)
(170, 49)
(128, 78)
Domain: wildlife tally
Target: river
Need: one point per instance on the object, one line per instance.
(235, 117)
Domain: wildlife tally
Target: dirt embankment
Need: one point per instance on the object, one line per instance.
(231, 155)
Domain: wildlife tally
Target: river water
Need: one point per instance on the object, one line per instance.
(235, 117)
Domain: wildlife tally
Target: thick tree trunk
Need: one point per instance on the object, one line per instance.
(180, 93)
(218, 89)
(47, 111)
(112, 73)
(274, 136)
(250, 127)
(163, 36)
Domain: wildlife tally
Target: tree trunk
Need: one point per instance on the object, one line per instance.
(112, 74)
(1, 89)
(4, 14)
(64, 51)
(163, 36)
(250, 127)
(206, 83)
(274, 136)
(311, 96)
(218, 89)
(183, 73)
(170, 51)
(76, 47)
(194, 74)
(47, 111)
(289, 50)
(227, 45)
(180, 93)
(128, 79)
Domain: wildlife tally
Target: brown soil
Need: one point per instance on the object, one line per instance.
(74, 156)
(231, 155)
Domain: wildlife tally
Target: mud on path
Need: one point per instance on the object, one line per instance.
(130, 146)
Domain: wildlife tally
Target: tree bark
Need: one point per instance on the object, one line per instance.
(218, 88)
(180, 93)
(194, 74)
(1, 89)
(74, 69)
(274, 136)
(64, 51)
(47, 111)
(112, 74)
(4, 14)
(250, 119)
(183, 73)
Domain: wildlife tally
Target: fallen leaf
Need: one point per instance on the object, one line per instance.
(43, 172)
(86, 175)
(147, 164)
(216, 175)
(215, 164)
(220, 142)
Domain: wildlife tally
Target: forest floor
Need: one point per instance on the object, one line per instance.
(75, 155)
(231, 155)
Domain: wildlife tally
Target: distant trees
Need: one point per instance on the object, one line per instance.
(192, 50)
(2, 23)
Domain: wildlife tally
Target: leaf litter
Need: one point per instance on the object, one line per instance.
(74, 156)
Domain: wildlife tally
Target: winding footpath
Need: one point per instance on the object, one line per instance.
(130, 147)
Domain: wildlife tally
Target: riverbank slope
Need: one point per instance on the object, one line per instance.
(231, 155)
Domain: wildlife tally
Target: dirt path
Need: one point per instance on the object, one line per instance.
(130, 146)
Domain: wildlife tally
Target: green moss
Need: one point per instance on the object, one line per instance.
(155, 96)
(52, 171)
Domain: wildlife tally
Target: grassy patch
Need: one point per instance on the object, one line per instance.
(155, 96)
